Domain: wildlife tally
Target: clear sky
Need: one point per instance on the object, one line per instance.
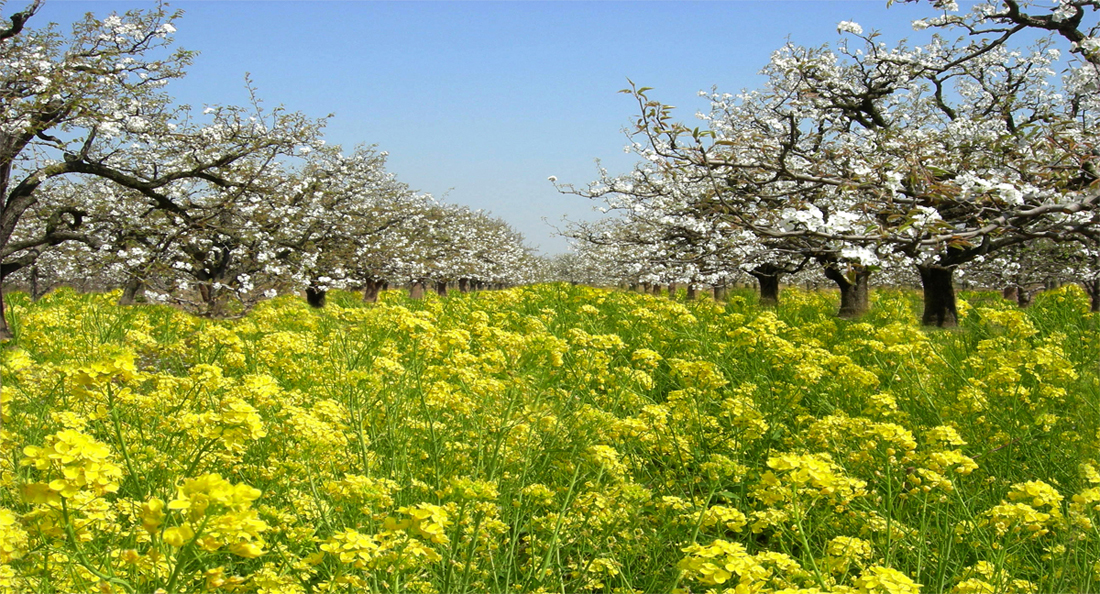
(479, 102)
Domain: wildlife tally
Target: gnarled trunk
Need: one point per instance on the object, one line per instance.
(1092, 287)
(1023, 297)
(767, 275)
(463, 285)
(441, 288)
(691, 292)
(36, 289)
(854, 290)
(5, 331)
(416, 290)
(130, 291)
(1011, 293)
(371, 288)
(316, 297)
(939, 296)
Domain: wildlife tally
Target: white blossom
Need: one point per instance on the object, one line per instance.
(849, 27)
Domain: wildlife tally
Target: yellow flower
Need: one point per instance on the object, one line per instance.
(1017, 517)
(885, 580)
(811, 472)
(429, 521)
(152, 515)
(82, 463)
(647, 358)
(197, 494)
(718, 562)
(178, 536)
(844, 551)
(944, 434)
(353, 547)
(1037, 494)
(118, 368)
(1090, 472)
(726, 517)
(13, 539)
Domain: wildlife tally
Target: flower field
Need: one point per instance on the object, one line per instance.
(551, 438)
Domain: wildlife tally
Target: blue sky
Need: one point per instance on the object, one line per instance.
(479, 102)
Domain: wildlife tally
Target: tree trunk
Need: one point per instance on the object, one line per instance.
(35, 293)
(1011, 293)
(1092, 287)
(671, 290)
(133, 288)
(691, 292)
(5, 331)
(767, 276)
(939, 296)
(1023, 297)
(655, 289)
(316, 297)
(854, 292)
(720, 292)
(441, 288)
(213, 299)
(370, 291)
(416, 290)
(463, 285)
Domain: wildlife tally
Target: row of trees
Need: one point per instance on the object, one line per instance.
(335, 222)
(103, 176)
(870, 158)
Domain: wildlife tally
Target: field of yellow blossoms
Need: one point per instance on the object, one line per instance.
(551, 439)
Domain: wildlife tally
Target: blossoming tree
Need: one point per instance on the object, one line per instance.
(92, 104)
(941, 153)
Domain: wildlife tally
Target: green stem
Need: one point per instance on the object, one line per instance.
(198, 456)
(454, 547)
(84, 562)
(557, 526)
(695, 532)
(187, 547)
(122, 444)
(813, 561)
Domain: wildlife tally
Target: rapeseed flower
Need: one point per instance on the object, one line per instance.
(885, 580)
(73, 461)
(13, 539)
(509, 436)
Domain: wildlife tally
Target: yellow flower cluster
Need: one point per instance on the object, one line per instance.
(550, 438)
(724, 562)
(72, 462)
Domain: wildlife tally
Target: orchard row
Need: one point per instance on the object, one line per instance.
(974, 151)
(105, 182)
